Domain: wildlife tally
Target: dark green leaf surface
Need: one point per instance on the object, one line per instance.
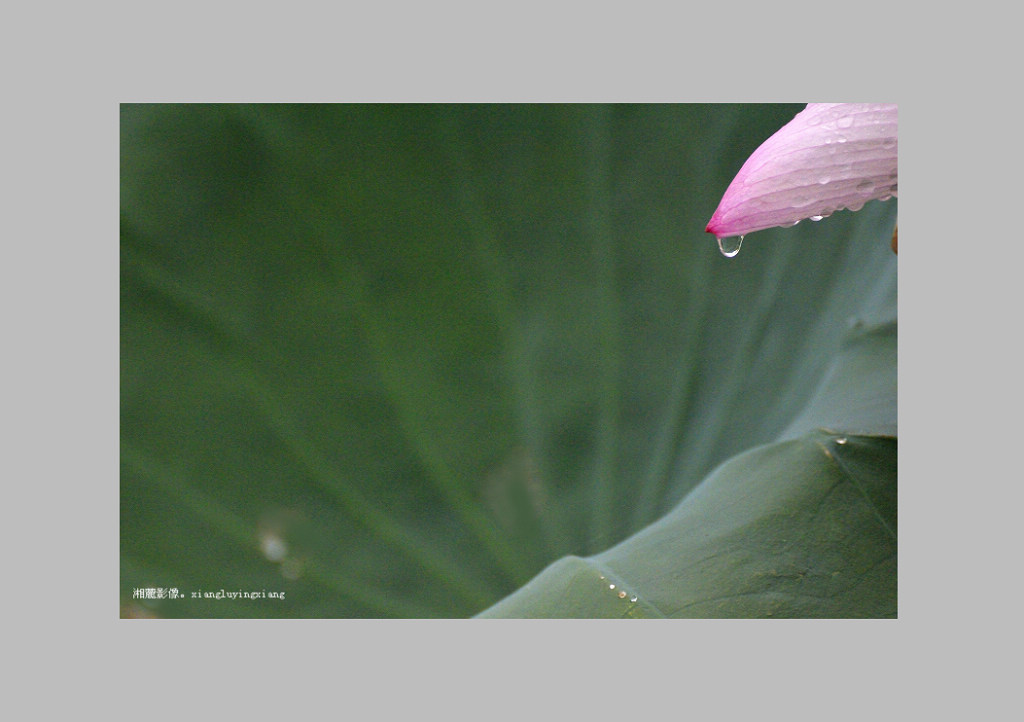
(398, 360)
(800, 528)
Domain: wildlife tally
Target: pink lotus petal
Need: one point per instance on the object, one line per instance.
(831, 156)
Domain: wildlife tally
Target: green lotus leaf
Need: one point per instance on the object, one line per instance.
(457, 360)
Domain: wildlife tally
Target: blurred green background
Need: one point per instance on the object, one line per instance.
(393, 360)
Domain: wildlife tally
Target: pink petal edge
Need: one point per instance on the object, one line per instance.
(831, 156)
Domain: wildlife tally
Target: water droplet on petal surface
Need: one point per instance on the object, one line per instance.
(730, 246)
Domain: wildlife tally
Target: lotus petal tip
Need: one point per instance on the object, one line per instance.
(831, 156)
